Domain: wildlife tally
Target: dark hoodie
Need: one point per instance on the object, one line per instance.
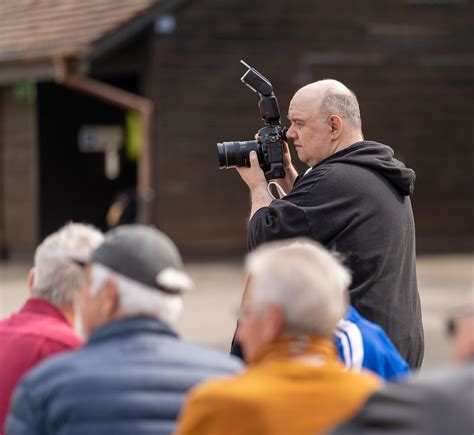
(357, 203)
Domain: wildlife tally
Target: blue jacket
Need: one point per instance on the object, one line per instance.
(362, 343)
(131, 377)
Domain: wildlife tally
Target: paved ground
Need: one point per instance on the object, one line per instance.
(209, 316)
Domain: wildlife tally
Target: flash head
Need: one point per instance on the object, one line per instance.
(255, 81)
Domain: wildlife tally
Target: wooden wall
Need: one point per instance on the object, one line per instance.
(19, 181)
(410, 63)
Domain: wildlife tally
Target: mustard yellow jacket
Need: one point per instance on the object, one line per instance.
(293, 388)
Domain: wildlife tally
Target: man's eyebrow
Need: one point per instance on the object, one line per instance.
(295, 118)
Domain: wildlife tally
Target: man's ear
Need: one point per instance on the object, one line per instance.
(274, 323)
(109, 299)
(335, 124)
(31, 278)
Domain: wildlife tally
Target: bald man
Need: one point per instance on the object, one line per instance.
(355, 199)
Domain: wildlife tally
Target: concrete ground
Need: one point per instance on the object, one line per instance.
(209, 317)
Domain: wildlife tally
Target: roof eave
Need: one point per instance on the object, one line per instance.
(42, 66)
(19, 70)
(128, 30)
(36, 67)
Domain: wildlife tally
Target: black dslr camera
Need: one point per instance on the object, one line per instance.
(269, 146)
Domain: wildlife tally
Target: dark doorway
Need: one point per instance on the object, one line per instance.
(73, 184)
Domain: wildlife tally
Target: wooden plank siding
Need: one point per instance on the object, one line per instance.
(410, 64)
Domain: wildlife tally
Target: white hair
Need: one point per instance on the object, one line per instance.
(136, 298)
(307, 282)
(56, 277)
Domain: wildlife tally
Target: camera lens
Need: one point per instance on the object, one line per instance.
(236, 153)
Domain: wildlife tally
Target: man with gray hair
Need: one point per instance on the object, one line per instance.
(133, 373)
(354, 198)
(43, 326)
(294, 383)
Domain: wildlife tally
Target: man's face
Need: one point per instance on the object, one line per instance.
(255, 330)
(309, 130)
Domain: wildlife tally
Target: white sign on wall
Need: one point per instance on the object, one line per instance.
(107, 139)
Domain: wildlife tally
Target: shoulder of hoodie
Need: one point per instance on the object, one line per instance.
(336, 168)
(329, 171)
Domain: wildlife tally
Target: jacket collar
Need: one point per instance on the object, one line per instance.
(297, 348)
(130, 326)
(40, 306)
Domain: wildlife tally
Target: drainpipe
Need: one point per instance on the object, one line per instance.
(128, 101)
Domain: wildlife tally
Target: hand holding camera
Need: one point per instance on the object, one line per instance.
(269, 146)
(252, 175)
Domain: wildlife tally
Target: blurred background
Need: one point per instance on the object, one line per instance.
(102, 97)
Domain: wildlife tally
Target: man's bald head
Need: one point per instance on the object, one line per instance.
(325, 119)
(330, 97)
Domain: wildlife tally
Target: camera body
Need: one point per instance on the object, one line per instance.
(269, 145)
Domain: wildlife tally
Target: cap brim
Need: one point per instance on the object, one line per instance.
(175, 281)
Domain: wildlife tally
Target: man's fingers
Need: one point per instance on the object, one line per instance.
(253, 159)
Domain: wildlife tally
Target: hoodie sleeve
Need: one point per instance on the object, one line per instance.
(311, 210)
(281, 220)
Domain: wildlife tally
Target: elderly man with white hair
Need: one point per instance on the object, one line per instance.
(43, 326)
(133, 373)
(294, 383)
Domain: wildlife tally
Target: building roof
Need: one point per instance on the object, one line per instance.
(39, 29)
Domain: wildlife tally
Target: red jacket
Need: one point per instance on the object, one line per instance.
(27, 337)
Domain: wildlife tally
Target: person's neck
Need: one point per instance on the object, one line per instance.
(347, 141)
(291, 345)
(338, 145)
(68, 312)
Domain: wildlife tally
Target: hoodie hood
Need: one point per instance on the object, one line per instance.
(378, 158)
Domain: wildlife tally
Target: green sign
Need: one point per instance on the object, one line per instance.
(25, 91)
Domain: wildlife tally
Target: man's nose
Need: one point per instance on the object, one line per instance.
(291, 133)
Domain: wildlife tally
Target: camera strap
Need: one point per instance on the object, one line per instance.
(278, 188)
